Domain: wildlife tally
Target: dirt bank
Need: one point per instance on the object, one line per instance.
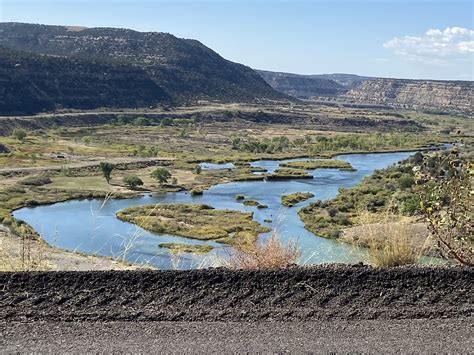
(93, 118)
(296, 294)
(37, 255)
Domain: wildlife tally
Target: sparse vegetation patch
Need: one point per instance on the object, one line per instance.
(293, 199)
(179, 248)
(320, 164)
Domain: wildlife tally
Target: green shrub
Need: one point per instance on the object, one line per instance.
(132, 181)
(161, 175)
(20, 134)
(141, 121)
(410, 206)
(332, 211)
(406, 182)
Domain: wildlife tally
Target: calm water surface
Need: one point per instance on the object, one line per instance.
(90, 226)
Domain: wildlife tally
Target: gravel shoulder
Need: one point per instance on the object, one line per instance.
(363, 336)
(336, 292)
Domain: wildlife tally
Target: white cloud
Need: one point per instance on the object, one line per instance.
(435, 46)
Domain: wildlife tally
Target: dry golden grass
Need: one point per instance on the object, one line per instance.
(396, 250)
(22, 256)
(392, 243)
(270, 255)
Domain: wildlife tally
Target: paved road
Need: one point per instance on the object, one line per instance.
(374, 336)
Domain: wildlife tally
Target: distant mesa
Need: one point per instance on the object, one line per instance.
(437, 96)
(61, 63)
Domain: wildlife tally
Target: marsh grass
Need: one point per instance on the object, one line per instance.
(319, 164)
(293, 199)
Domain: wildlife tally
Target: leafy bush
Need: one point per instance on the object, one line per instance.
(447, 204)
(20, 134)
(332, 212)
(141, 121)
(132, 181)
(406, 181)
(4, 149)
(410, 206)
(161, 175)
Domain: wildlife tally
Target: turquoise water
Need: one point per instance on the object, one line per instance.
(214, 166)
(90, 226)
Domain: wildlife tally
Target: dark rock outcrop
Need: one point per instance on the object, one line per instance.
(4, 149)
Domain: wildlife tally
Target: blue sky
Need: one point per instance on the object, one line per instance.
(404, 39)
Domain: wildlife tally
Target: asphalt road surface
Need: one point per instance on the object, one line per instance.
(367, 336)
(326, 309)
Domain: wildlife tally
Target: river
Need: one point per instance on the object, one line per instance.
(91, 226)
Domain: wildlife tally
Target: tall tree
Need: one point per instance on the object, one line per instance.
(106, 169)
(161, 175)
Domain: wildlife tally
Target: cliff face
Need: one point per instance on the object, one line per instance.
(302, 86)
(443, 96)
(455, 96)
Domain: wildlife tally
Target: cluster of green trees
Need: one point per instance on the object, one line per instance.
(122, 120)
(317, 144)
(148, 152)
(364, 142)
(161, 175)
(266, 145)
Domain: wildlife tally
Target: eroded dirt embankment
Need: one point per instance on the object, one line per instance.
(350, 124)
(331, 292)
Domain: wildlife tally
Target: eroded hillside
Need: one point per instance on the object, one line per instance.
(182, 69)
(31, 83)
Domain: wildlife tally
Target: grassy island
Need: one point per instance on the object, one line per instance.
(320, 164)
(289, 174)
(293, 199)
(178, 248)
(195, 221)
